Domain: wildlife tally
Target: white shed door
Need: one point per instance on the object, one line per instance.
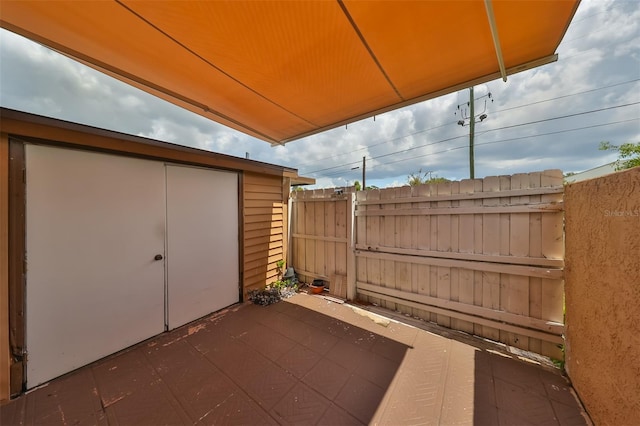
(94, 224)
(202, 242)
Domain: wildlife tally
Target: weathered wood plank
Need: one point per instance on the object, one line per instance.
(310, 245)
(498, 268)
(491, 246)
(551, 327)
(552, 245)
(535, 250)
(330, 232)
(423, 236)
(349, 248)
(495, 209)
(362, 274)
(444, 245)
(515, 291)
(403, 240)
(320, 245)
(478, 290)
(319, 238)
(470, 196)
(513, 260)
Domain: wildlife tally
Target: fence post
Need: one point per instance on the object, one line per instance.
(351, 254)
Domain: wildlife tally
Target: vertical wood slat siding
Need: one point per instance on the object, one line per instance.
(405, 253)
(264, 221)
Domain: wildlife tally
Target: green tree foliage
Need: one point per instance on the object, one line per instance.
(420, 178)
(357, 185)
(628, 154)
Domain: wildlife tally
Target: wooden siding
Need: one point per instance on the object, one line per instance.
(265, 228)
(483, 256)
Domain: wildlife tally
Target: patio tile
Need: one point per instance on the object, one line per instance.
(319, 341)
(210, 338)
(301, 406)
(377, 369)
(73, 399)
(484, 390)
(416, 398)
(299, 360)
(360, 337)
(485, 415)
(297, 330)
(238, 361)
(122, 375)
(517, 403)
(346, 354)
(237, 409)
(13, 412)
(152, 404)
(568, 414)
(360, 398)
(269, 385)
(518, 373)
(327, 378)
(268, 342)
(389, 349)
(336, 416)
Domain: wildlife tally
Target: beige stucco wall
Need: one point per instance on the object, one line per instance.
(602, 290)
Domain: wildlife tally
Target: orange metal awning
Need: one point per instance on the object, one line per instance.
(282, 70)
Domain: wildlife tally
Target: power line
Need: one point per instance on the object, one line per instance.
(453, 122)
(484, 132)
(509, 140)
(569, 95)
(375, 144)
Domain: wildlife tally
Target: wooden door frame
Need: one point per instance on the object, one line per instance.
(17, 270)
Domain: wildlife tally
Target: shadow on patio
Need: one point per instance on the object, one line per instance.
(306, 360)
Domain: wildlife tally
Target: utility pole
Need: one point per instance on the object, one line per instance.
(472, 124)
(364, 173)
(472, 130)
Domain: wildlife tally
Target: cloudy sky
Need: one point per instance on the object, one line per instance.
(551, 117)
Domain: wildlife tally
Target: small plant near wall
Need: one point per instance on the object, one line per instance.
(280, 268)
(284, 287)
(274, 292)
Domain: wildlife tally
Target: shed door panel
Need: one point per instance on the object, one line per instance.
(94, 224)
(202, 242)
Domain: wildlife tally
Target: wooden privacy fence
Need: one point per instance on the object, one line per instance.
(483, 256)
(322, 237)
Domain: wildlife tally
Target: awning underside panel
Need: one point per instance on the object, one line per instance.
(284, 70)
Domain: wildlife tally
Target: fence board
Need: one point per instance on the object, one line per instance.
(465, 246)
(491, 245)
(330, 248)
(319, 249)
(443, 288)
(552, 245)
(403, 239)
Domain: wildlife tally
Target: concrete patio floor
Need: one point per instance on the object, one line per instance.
(306, 360)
